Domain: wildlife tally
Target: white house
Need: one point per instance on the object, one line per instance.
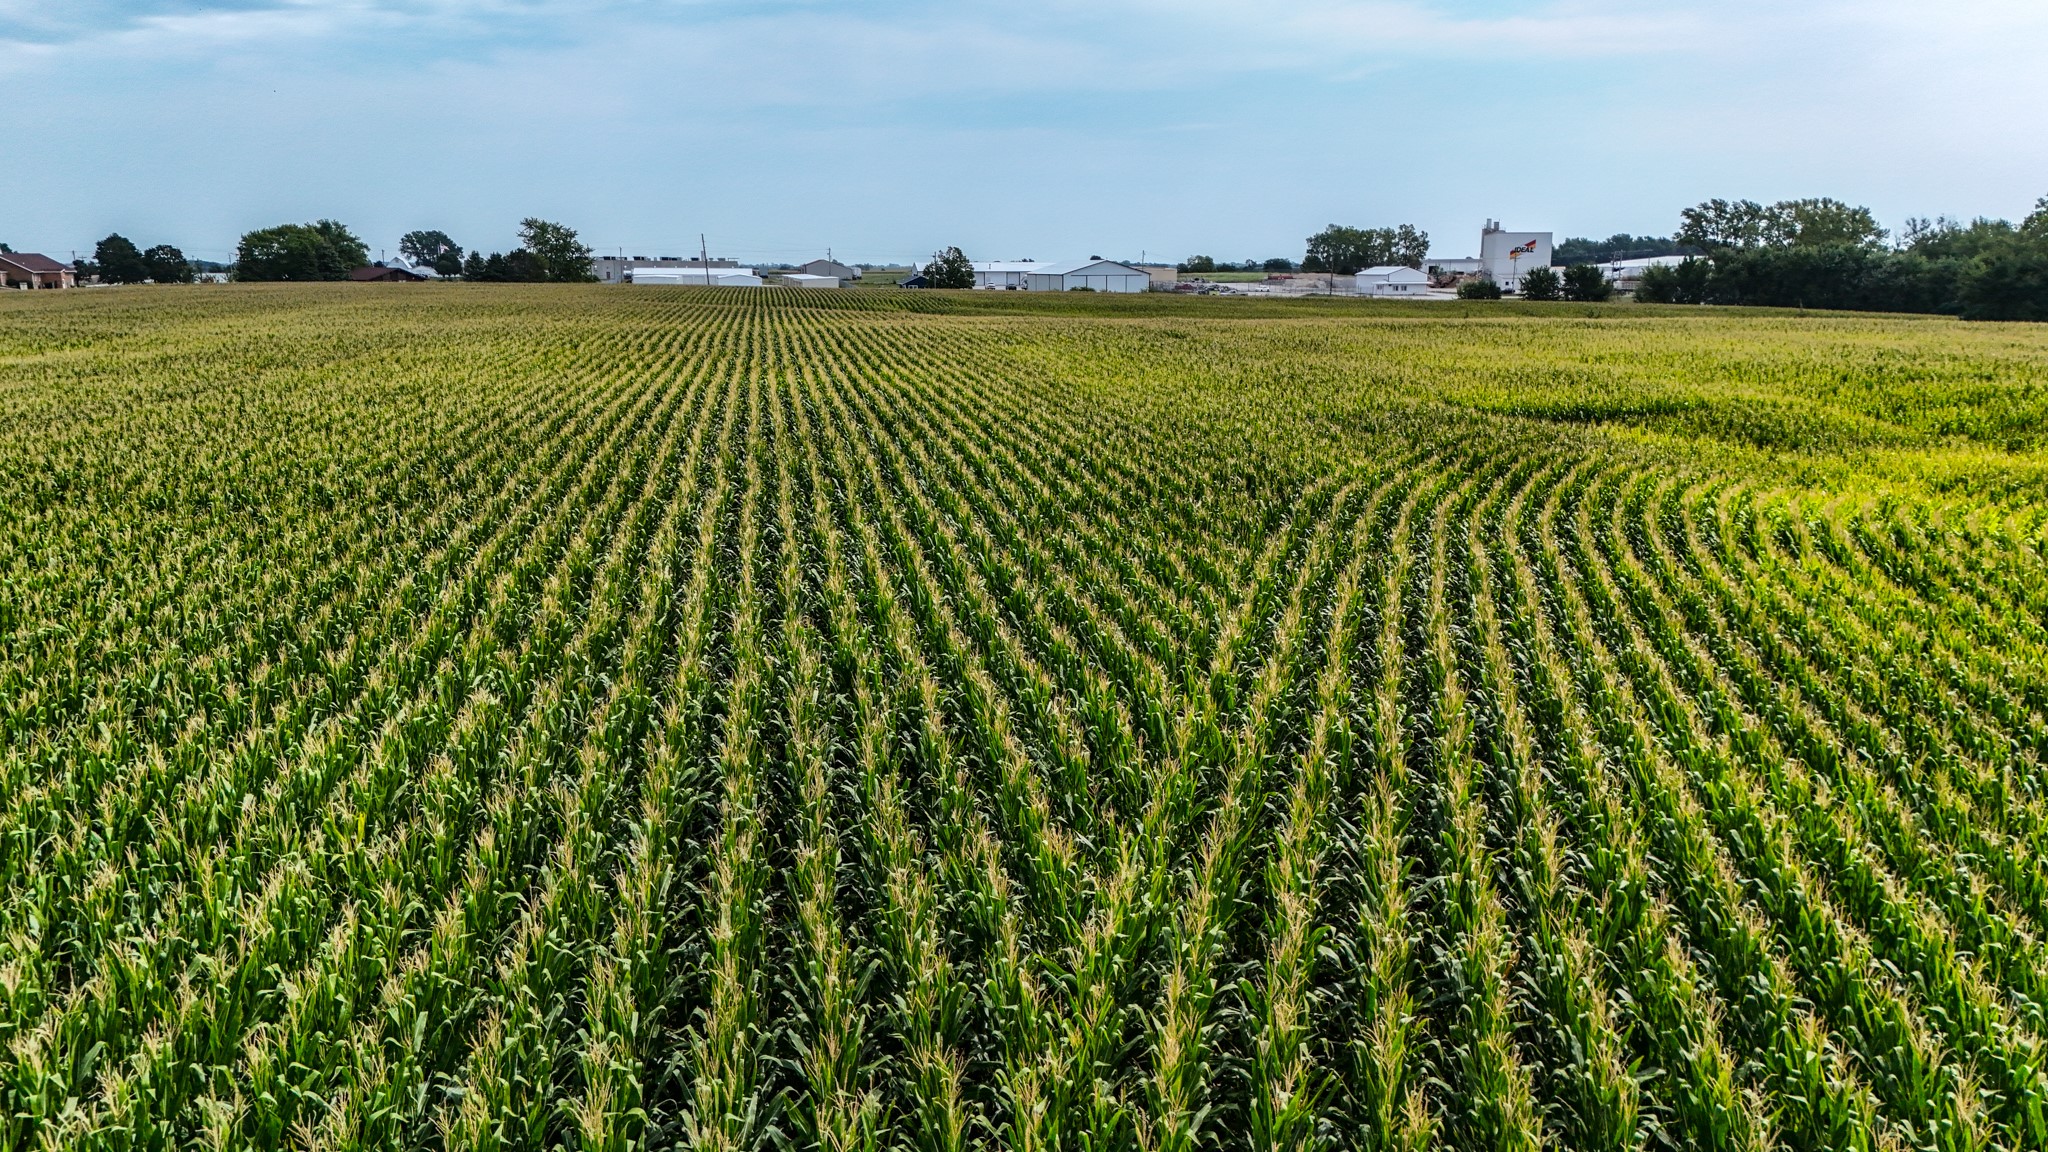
(1004, 273)
(699, 275)
(809, 280)
(1392, 280)
(1094, 273)
(1506, 255)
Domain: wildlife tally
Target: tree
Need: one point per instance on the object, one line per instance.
(1818, 222)
(1944, 239)
(950, 269)
(2036, 223)
(1478, 288)
(1717, 224)
(518, 266)
(1585, 283)
(1620, 246)
(1278, 264)
(322, 250)
(119, 261)
(2007, 285)
(1198, 264)
(434, 248)
(1539, 284)
(1821, 221)
(1346, 250)
(167, 265)
(1681, 283)
(561, 256)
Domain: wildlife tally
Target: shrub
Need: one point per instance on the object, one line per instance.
(1478, 288)
(1587, 284)
(1540, 284)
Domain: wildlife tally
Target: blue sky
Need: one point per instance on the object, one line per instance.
(1045, 129)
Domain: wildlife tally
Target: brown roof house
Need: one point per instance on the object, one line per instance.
(34, 270)
(378, 274)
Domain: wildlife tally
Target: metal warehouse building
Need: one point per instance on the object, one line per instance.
(1004, 273)
(1094, 273)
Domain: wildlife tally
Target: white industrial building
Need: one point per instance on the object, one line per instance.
(1626, 275)
(698, 275)
(809, 280)
(1505, 255)
(1392, 280)
(1094, 273)
(1004, 273)
(620, 269)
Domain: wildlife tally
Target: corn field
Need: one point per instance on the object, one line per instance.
(457, 718)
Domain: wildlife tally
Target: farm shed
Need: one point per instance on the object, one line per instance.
(810, 280)
(1392, 280)
(378, 274)
(1092, 273)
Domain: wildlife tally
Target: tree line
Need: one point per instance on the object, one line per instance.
(117, 260)
(1823, 253)
(328, 250)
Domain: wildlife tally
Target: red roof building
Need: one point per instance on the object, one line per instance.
(375, 274)
(34, 270)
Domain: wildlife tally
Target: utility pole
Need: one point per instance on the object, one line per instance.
(704, 253)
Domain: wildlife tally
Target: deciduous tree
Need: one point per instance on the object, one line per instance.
(322, 250)
(119, 260)
(434, 248)
(950, 269)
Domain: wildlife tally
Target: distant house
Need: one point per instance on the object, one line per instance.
(379, 274)
(810, 280)
(1005, 274)
(1094, 274)
(914, 280)
(35, 270)
(1392, 280)
(844, 273)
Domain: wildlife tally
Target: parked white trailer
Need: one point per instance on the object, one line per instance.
(1094, 274)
